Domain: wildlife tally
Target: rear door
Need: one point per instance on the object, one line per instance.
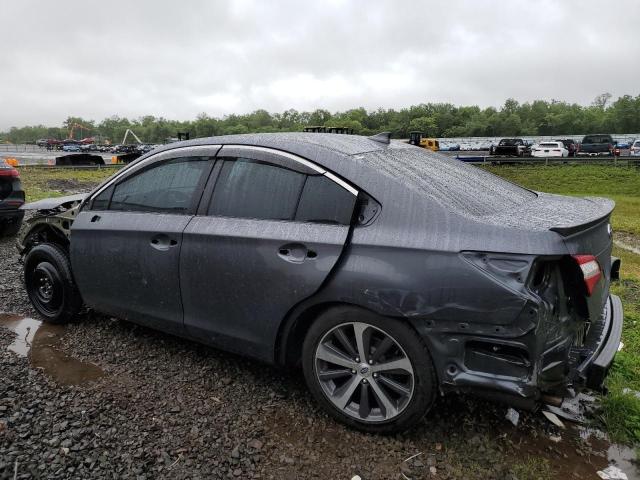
(269, 231)
(125, 243)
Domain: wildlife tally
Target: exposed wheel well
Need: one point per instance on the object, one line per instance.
(45, 234)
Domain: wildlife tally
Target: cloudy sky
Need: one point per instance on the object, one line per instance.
(176, 59)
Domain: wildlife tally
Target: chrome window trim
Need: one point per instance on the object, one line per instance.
(300, 160)
(146, 161)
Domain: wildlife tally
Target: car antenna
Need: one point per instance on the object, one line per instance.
(382, 137)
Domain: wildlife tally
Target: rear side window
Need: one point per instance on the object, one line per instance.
(324, 201)
(251, 189)
(166, 188)
(248, 188)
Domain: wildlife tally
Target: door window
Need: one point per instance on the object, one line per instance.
(251, 189)
(168, 187)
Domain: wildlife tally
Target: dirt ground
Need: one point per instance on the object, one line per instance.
(103, 398)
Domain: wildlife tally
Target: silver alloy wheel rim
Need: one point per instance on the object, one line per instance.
(364, 372)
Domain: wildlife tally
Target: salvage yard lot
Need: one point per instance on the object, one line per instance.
(170, 408)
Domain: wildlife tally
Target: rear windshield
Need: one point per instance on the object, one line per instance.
(597, 139)
(510, 142)
(455, 185)
(549, 145)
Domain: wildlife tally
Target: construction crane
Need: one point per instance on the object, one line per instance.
(80, 127)
(129, 131)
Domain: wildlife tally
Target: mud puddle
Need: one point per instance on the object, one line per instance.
(40, 343)
(580, 453)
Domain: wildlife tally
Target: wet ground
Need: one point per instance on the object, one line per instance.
(102, 398)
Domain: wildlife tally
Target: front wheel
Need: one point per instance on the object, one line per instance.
(369, 372)
(50, 285)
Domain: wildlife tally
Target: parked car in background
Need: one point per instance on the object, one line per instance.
(570, 144)
(634, 150)
(597, 145)
(511, 147)
(389, 273)
(624, 144)
(549, 149)
(11, 199)
(71, 147)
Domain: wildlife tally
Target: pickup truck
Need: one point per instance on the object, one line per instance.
(595, 145)
(511, 147)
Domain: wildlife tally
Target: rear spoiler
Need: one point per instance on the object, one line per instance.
(567, 231)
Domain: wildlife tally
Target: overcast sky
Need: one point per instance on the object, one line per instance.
(177, 59)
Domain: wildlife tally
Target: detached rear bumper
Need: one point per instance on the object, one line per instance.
(594, 369)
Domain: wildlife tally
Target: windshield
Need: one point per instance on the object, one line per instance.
(597, 139)
(455, 185)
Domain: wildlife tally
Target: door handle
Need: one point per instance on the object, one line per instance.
(95, 218)
(296, 253)
(162, 242)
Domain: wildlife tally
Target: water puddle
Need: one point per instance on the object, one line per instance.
(40, 342)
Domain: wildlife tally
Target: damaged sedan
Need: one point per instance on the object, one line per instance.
(389, 273)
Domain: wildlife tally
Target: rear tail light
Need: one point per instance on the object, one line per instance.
(591, 271)
(9, 172)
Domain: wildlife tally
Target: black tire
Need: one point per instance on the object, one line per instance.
(424, 377)
(50, 285)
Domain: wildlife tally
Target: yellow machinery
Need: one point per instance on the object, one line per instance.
(415, 138)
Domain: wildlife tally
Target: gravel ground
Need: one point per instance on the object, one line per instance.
(171, 408)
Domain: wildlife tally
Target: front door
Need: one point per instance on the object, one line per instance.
(125, 243)
(265, 239)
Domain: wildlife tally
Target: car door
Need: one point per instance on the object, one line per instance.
(125, 242)
(268, 232)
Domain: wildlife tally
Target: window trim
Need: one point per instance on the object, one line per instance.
(290, 156)
(234, 150)
(130, 170)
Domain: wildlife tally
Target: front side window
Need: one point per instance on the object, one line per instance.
(166, 188)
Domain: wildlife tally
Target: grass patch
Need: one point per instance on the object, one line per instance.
(39, 183)
(532, 468)
(621, 184)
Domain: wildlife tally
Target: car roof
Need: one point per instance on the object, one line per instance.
(293, 142)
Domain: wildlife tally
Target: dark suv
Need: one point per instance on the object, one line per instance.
(389, 273)
(570, 144)
(11, 199)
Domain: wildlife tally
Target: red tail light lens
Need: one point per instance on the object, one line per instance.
(9, 172)
(591, 271)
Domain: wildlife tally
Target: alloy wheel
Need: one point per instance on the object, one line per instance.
(364, 372)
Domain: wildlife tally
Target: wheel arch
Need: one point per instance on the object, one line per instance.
(44, 233)
(293, 329)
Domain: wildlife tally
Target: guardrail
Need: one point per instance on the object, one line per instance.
(626, 161)
(113, 166)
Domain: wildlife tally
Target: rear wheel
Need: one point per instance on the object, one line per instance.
(50, 285)
(367, 371)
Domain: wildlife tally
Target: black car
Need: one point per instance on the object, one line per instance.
(389, 273)
(570, 144)
(11, 199)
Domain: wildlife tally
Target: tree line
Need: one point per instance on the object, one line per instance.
(536, 118)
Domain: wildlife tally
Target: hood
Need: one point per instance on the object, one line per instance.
(51, 203)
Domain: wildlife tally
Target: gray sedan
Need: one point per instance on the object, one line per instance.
(390, 274)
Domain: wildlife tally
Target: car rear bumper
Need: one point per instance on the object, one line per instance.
(593, 370)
